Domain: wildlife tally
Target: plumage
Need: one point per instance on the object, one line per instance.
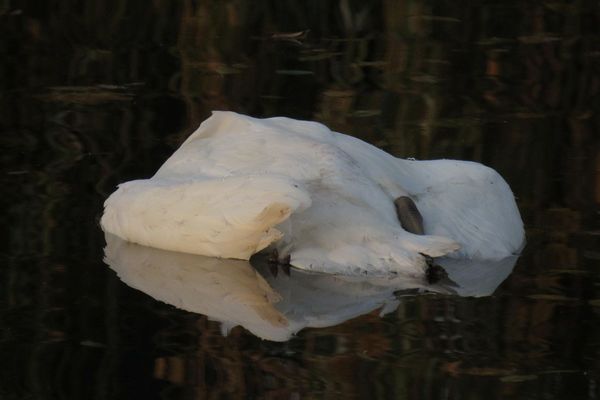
(239, 184)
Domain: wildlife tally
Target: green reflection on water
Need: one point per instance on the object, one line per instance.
(95, 93)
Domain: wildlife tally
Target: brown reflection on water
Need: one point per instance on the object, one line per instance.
(95, 93)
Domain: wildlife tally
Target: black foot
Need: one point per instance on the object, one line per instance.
(275, 263)
(434, 272)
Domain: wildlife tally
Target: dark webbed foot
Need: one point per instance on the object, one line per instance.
(275, 263)
(436, 274)
(273, 257)
(412, 221)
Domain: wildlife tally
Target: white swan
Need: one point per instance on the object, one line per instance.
(239, 184)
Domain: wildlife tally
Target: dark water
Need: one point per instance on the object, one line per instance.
(98, 92)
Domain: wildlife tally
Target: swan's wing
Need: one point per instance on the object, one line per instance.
(225, 217)
(468, 202)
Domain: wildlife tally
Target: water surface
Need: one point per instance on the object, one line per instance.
(95, 93)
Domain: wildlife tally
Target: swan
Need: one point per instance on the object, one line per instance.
(320, 200)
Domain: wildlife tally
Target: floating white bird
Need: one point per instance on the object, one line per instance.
(323, 200)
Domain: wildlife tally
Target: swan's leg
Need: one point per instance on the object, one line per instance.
(275, 262)
(409, 216)
(434, 272)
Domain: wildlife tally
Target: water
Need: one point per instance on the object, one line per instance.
(96, 93)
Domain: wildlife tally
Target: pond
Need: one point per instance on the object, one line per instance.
(100, 92)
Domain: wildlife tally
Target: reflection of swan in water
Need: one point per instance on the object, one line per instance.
(328, 201)
(276, 307)
(230, 291)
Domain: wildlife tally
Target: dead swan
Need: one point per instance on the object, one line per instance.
(328, 201)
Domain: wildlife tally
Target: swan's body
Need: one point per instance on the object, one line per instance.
(239, 184)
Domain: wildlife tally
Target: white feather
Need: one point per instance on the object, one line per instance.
(239, 184)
